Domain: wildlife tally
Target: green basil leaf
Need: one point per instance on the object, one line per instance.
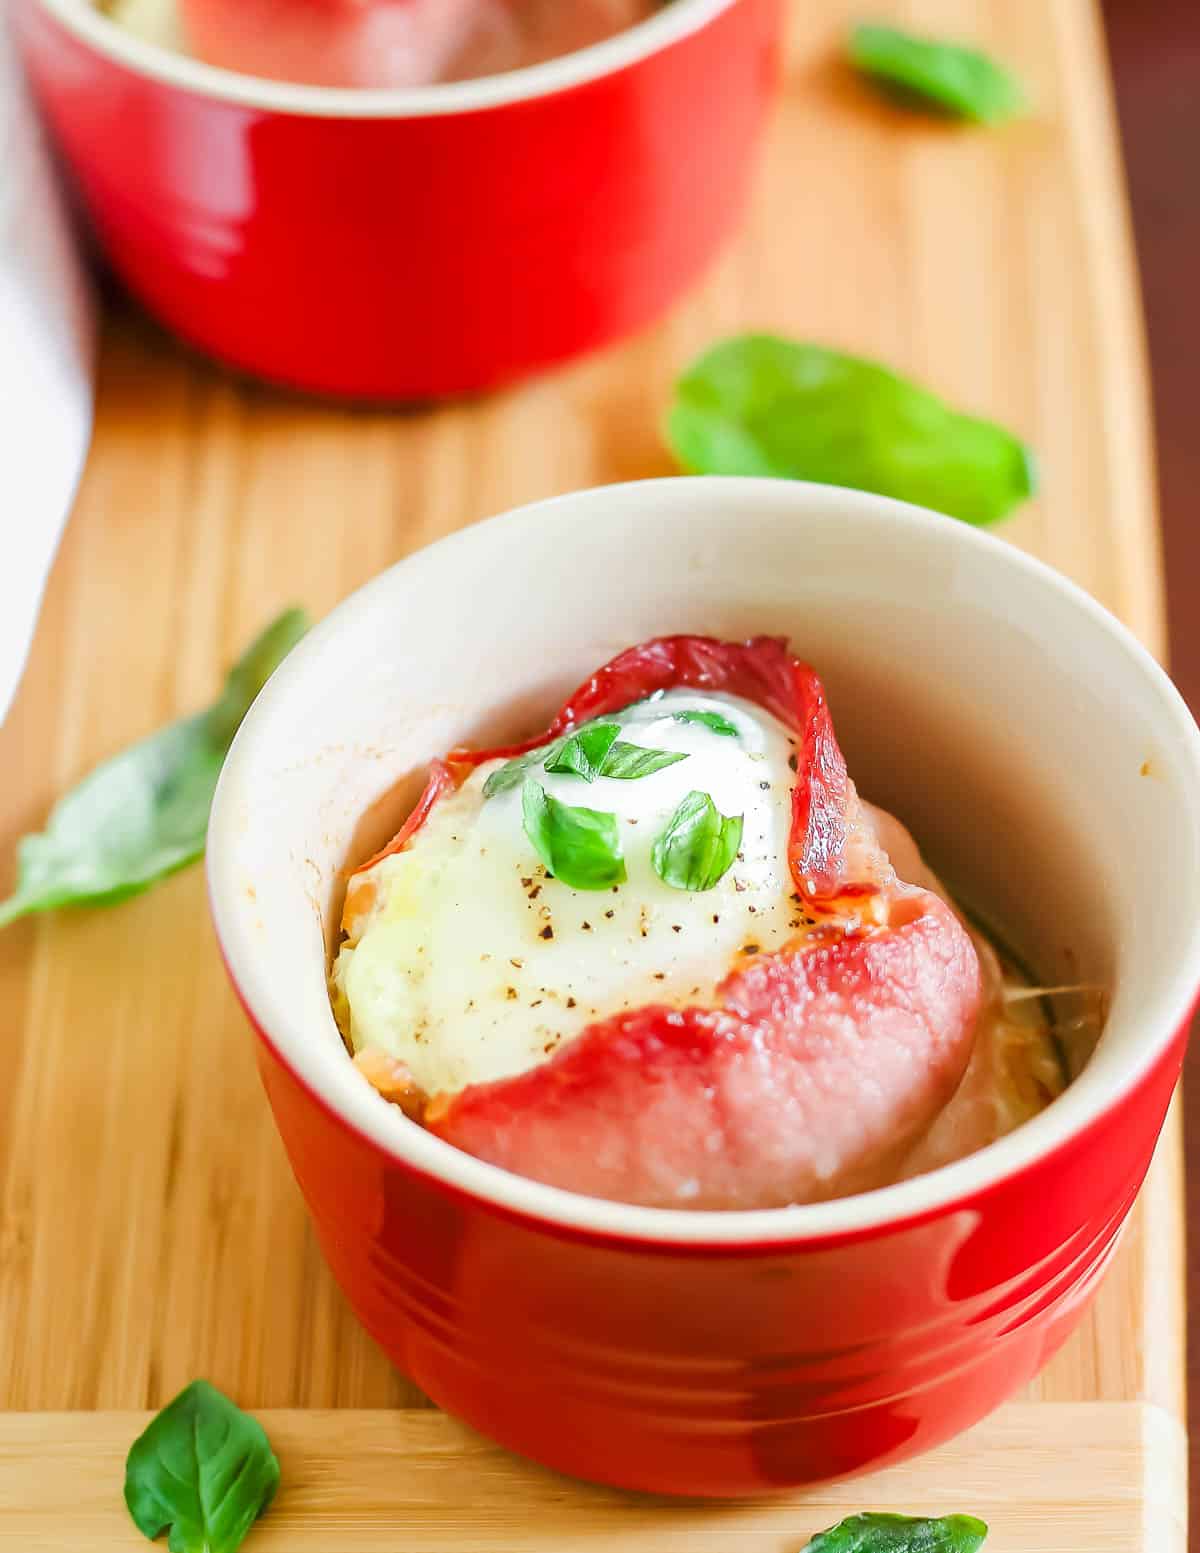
(712, 720)
(583, 754)
(759, 405)
(513, 772)
(699, 845)
(901, 1534)
(144, 813)
(580, 847)
(628, 762)
(591, 751)
(203, 1470)
(931, 73)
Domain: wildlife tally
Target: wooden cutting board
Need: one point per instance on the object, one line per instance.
(149, 1228)
(1047, 1478)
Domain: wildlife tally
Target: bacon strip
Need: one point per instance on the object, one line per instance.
(823, 1067)
(396, 43)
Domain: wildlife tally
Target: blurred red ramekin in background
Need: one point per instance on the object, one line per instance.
(410, 244)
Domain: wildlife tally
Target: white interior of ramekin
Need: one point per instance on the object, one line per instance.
(1041, 756)
(667, 26)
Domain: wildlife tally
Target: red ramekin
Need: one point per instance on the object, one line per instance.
(410, 244)
(1052, 774)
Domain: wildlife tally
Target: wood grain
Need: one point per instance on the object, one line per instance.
(1050, 1478)
(149, 1229)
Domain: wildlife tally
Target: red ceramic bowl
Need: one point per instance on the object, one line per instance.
(1051, 772)
(410, 244)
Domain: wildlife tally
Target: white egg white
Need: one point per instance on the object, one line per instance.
(468, 963)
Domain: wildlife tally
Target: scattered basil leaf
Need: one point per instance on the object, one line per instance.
(144, 813)
(931, 73)
(628, 762)
(580, 847)
(583, 754)
(712, 720)
(203, 1470)
(698, 846)
(901, 1534)
(760, 405)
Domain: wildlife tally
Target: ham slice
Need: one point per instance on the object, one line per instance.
(397, 43)
(820, 1064)
(813, 1080)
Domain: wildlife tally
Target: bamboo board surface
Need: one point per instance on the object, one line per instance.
(1047, 1478)
(149, 1228)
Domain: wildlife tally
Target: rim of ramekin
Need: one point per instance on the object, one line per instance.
(1072, 1114)
(676, 21)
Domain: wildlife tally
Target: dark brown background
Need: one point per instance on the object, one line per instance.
(1155, 49)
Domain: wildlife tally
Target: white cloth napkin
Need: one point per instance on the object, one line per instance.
(47, 340)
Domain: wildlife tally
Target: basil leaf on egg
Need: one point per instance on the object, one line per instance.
(928, 72)
(713, 720)
(513, 772)
(590, 752)
(202, 1470)
(580, 847)
(583, 754)
(876, 1533)
(627, 762)
(699, 845)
